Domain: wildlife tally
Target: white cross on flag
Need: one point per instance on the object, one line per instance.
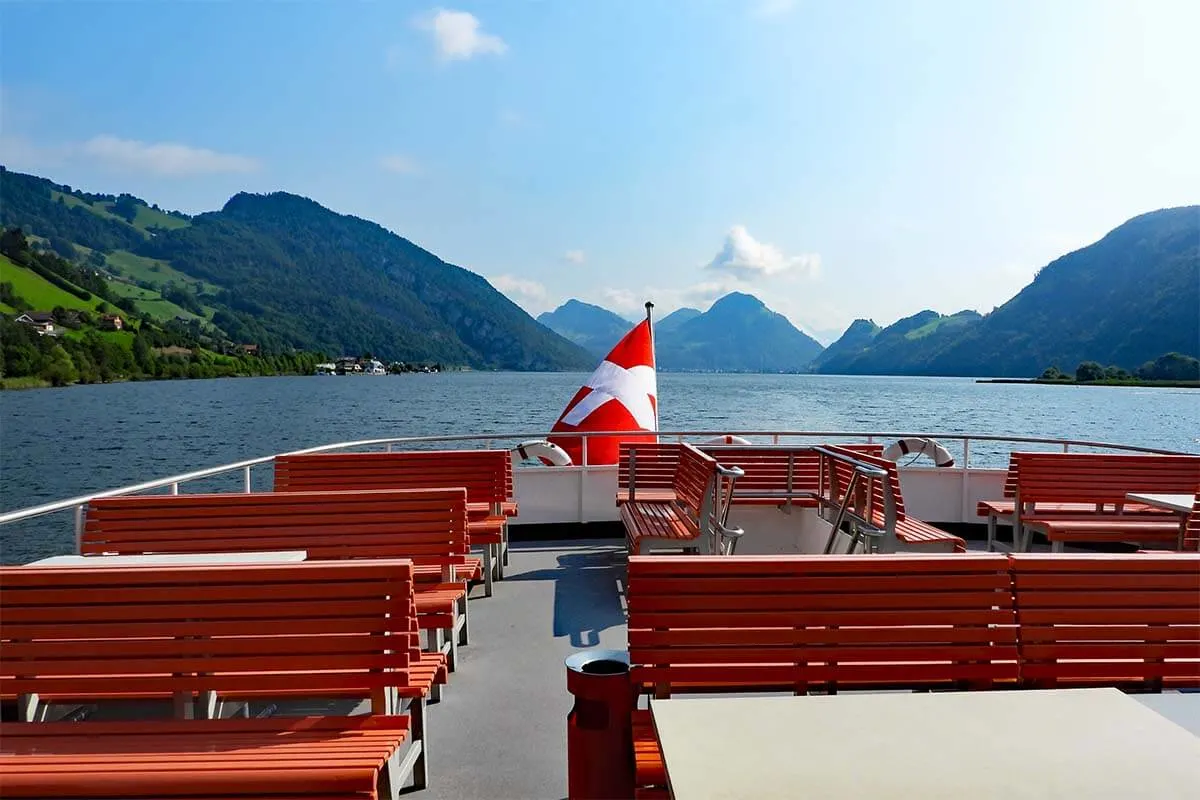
(621, 395)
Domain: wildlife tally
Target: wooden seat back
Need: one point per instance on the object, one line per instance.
(1101, 478)
(643, 465)
(881, 502)
(751, 623)
(92, 631)
(1191, 527)
(1108, 619)
(769, 469)
(485, 474)
(428, 526)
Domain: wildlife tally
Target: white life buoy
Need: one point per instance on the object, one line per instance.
(929, 447)
(540, 450)
(728, 439)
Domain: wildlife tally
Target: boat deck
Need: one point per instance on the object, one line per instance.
(500, 731)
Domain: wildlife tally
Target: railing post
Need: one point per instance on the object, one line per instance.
(175, 488)
(775, 439)
(246, 480)
(1066, 447)
(389, 447)
(79, 528)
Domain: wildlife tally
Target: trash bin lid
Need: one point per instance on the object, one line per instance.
(592, 662)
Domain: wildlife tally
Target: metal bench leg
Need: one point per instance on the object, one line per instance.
(504, 543)
(27, 708)
(487, 571)
(451, 637)
(464, 621)
(420, 734)
(499, 561)
(991, 534)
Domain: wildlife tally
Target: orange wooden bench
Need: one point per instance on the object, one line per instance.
(688, 520)
(1098, 480)
(774, 475)
(318, 629)
(886, 506)
(814, 623)
(485, 474)
(1004, 512)
(1126, 620)
(427, 526)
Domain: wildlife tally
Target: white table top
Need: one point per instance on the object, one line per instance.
(1094, 743)
(175, 559)
(1172, 502)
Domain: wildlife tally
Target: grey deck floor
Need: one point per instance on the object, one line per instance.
(500, 729)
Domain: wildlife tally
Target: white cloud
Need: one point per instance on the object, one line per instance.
(574, 256)
(400, 164)
(162, 158)
(458, 37)
(766, 9)
(528, 294)
(745, 257)
(20, 152)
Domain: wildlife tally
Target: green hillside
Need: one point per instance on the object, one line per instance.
(282, 272)
(40, 293)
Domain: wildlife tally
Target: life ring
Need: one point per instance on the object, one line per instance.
(728, 439)
(929, 447)
(540, 450)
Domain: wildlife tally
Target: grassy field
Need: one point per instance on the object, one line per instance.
(38, 291)
(27, 382)
(152, 270)
(151, 302)
(148, 218)
(145, 218)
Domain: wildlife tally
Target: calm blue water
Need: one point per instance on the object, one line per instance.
(57, 443)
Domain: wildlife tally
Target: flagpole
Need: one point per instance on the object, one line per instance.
(654, 355)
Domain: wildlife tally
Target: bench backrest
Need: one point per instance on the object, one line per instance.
(758, 623)
(427, 525)
(768, 468)
(486, 474)
(90, 631)
(1108, 619)
(1191, 526)
(884, 502)
(644, 465)
(695, 478)
(1102, 478)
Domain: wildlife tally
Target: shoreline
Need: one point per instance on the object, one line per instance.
(1129, 383)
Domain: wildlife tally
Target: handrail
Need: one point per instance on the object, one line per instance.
(246, 465)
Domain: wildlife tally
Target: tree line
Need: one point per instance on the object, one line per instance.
(1174, 367)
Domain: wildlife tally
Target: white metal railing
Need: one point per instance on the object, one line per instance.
(173, 482)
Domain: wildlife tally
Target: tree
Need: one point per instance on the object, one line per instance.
(1170, 367)
(1054, 374)
(14, 245)
(1089, 371)
(60, 370)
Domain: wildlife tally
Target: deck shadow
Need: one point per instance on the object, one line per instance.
(587, 599)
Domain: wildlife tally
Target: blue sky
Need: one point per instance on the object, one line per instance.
(839, 160)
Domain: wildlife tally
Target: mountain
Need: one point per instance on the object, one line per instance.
(285, 273)
(1124, 300)
(856, 339)
(593, 328)
(676, 318)
(894, 349)
(737, 334)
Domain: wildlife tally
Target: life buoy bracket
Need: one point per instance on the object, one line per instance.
(541, 450)
(728, 439)
(919, 446)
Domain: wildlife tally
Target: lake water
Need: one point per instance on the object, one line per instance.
(58, 443)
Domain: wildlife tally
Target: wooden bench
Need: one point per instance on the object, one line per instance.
(1098, 480)
(485, 474)
(1125, 620)
(998, 512)
(886, 506)
(321, 629)
(688, 520)
(814, 623)
(427, 526)
(774, 475)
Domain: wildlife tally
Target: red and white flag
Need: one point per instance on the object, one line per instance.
(621, 395)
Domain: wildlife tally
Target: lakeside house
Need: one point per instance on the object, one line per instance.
(111, 322)
(40, 321)
(248, 349)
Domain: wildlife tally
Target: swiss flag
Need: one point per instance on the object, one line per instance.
(621, 395)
